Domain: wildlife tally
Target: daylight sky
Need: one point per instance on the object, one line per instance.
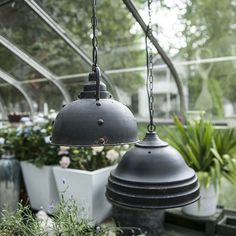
(166, 24)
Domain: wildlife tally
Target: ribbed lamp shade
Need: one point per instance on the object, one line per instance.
(152, 175)
(87, 122)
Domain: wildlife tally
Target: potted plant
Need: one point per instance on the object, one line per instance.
(211, 153)
(86, 178)
(37, 156)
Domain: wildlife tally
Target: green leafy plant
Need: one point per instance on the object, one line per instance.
(96, 157)
(7, 137)
(210, 152)
(32, 143)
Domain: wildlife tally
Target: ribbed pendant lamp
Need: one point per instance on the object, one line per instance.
(152, 175)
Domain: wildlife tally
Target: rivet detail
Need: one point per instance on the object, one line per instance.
(100, 121)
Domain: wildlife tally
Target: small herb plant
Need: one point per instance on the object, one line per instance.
(64, 222)
(22, 223)
(210, 152)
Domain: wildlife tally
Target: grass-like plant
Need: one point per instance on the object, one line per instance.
(65, 223)
(22, 223)
(210, 152)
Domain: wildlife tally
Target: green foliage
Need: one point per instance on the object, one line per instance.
(114, 35)
(113, 32)
(96, 157)
(32, 144)
(7, 136)
(224, 148)
(160, 129)
(22, 223)
(209, 25)
(217, 95)
(65, 222)
(210, 152)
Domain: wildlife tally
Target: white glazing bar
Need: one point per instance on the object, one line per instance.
(10, 80)
(3, 110)
(161, 67)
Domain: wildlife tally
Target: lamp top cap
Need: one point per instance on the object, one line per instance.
(151, 139)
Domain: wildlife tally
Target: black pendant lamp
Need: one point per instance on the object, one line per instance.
(152, 175)
(95, 119)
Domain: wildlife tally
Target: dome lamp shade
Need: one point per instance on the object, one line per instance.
(91, 122)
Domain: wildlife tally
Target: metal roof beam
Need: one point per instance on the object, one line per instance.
(131, 7)
(3, 109)
(63, 35)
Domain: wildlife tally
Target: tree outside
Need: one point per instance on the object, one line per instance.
(209, 25)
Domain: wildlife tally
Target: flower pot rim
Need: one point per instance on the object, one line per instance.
(231, 116)
(85, 171)
(196, 112)
(28, 162)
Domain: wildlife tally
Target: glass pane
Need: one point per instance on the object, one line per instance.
(133, 93)
(45, 92)
(211, 91)
(24, 28)
(21, 71)
(14, 102)
(41, 94)
(119, 38)
(16, 67)
(74, 86)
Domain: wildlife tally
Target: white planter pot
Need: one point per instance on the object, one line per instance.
(206, 205)
(231, 121)
(40, 185)
(87, 188)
